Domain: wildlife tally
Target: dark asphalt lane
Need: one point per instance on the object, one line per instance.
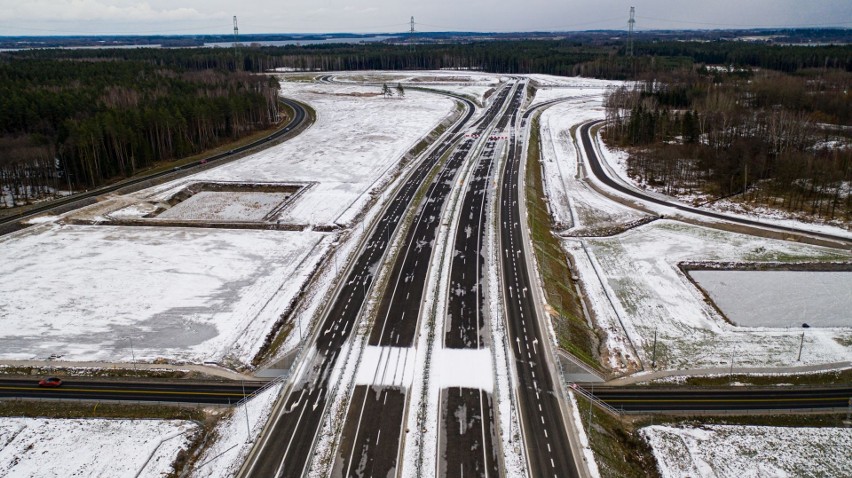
(285, 450)
(179, 392)
(400, 306)
(466, 447)
(546, 439)
(363, 450)
(649, 399)
(598, 171)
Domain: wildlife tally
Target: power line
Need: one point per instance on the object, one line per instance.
(745, 25)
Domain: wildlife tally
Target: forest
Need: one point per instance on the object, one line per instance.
(767, 137)
(75, 123)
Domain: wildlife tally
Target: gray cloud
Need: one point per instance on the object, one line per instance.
(37, 17)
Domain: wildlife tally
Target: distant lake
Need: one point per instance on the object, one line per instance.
(306, 42)
(780, 298)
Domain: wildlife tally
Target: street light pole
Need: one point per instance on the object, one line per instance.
(801, 344)
(245, 407)
(132, 353)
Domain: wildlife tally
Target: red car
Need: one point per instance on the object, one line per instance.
(50, 382)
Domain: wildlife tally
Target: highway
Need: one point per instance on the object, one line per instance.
(61, 205)
(546, 440)
(600, 174)
(467, 415)
(286, 447)
(397, 320)
(224, 393)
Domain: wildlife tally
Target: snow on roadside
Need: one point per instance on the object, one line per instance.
(235, 435)
(734, 451)
(632, 281)
(573, 203)
(41, 447)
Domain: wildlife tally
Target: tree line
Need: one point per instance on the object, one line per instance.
(601, 59)
(70, 123)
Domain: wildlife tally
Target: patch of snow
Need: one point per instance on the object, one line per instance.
(573, 202)
(43, 447)
(236, 434)
(87, 292)
(734, 451)
(226, 206)
(42, 219)
(635, 288)
(780, 298)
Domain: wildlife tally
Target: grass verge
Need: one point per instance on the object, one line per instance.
(77, 409)
(835, 377)
(573, 333)
(620, 452)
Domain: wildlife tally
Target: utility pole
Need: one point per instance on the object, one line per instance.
(236, 40)
(654, 356)
(411, 34)
(629, 31)
(801, 344)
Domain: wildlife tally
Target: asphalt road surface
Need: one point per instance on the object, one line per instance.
(646, 399)
(285, 450)
(370, 457)
(598, 171)
(177, 392)
(467, 430)
(399, 309)
(545, 435)
(466, 447)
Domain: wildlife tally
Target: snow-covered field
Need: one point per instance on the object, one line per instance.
(350, 152)
(89, 293)
(39, 447)
(226, 206)
(635, 288)
(471, 84)
(819, 299)
(730, 451)
(86, 293)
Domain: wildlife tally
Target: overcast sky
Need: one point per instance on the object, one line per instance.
(65, 17)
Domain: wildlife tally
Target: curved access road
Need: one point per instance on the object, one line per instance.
(597, 168)
(62, 205)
